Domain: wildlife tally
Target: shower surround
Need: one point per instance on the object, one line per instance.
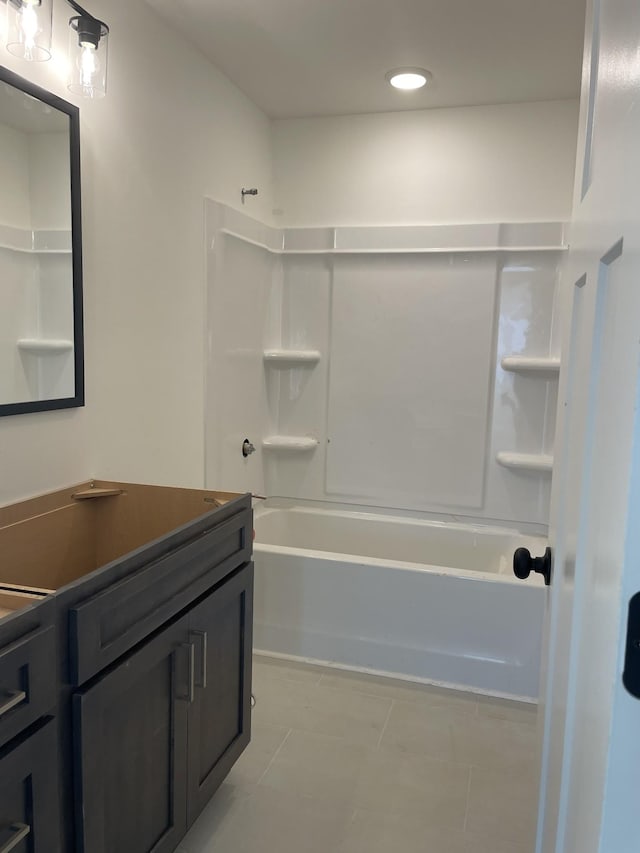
(404, 370)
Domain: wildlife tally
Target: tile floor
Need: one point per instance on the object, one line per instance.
(343, 763)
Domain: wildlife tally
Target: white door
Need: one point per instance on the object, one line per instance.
(590, 789)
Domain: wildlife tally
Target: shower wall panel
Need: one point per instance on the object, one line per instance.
(412, 352)
(243, 317)
(405, 404)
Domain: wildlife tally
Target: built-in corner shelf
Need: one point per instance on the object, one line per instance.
(293, 443)
(526, 461)
(31, 251)
(44, 346)
(528, 364)
(291, 357)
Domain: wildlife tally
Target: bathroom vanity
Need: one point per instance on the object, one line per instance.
(125, 663)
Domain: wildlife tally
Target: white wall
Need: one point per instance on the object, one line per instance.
(427, 437)
(171, 130)
(15, 209)
(506, 163)
(49, 174)
(174, 130)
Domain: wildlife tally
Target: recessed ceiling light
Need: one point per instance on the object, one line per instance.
(408, 78)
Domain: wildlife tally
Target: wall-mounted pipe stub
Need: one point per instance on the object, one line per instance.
(252, 191)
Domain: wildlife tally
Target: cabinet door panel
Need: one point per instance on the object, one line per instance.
(29, 814)
(220, 717)
(131, 744)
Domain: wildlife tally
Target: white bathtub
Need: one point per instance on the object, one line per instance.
(423, 600)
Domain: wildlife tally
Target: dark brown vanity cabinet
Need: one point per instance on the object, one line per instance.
(159, 732)
(29, 780)
(125, 643)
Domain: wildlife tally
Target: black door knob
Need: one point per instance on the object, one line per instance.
(524, 564)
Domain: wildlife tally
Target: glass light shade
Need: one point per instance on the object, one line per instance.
(29, 25)
(88, 57)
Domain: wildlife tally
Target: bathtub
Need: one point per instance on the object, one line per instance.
(417, 599)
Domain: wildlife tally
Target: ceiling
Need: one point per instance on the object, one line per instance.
(330, 57)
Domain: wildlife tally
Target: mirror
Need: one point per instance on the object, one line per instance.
(41, 340)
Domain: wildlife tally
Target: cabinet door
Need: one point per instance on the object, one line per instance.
(220, 717)
(29, 815)
(130, 731)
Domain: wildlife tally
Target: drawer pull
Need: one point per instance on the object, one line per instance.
(19, 833)
(201, 636)
(15, 698)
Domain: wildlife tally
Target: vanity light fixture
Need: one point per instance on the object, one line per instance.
(29, 27)
(408, 78)
(88, 54)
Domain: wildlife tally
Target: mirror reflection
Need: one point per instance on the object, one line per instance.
(38, 357)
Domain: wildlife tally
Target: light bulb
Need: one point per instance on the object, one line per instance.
(408, 81)
(88, 64)
(30, 28)
(408, 78)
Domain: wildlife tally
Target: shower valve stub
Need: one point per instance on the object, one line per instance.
(245, 192)
(247, 448)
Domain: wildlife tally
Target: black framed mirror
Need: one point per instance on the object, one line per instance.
(41, 319)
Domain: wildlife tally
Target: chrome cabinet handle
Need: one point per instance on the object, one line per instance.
(192, 672)
(20, 832)
(202, 637)
(14, 698)
(191, 694)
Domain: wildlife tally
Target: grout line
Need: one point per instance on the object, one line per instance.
(466, 811)
(386, 723)
(273, 757)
